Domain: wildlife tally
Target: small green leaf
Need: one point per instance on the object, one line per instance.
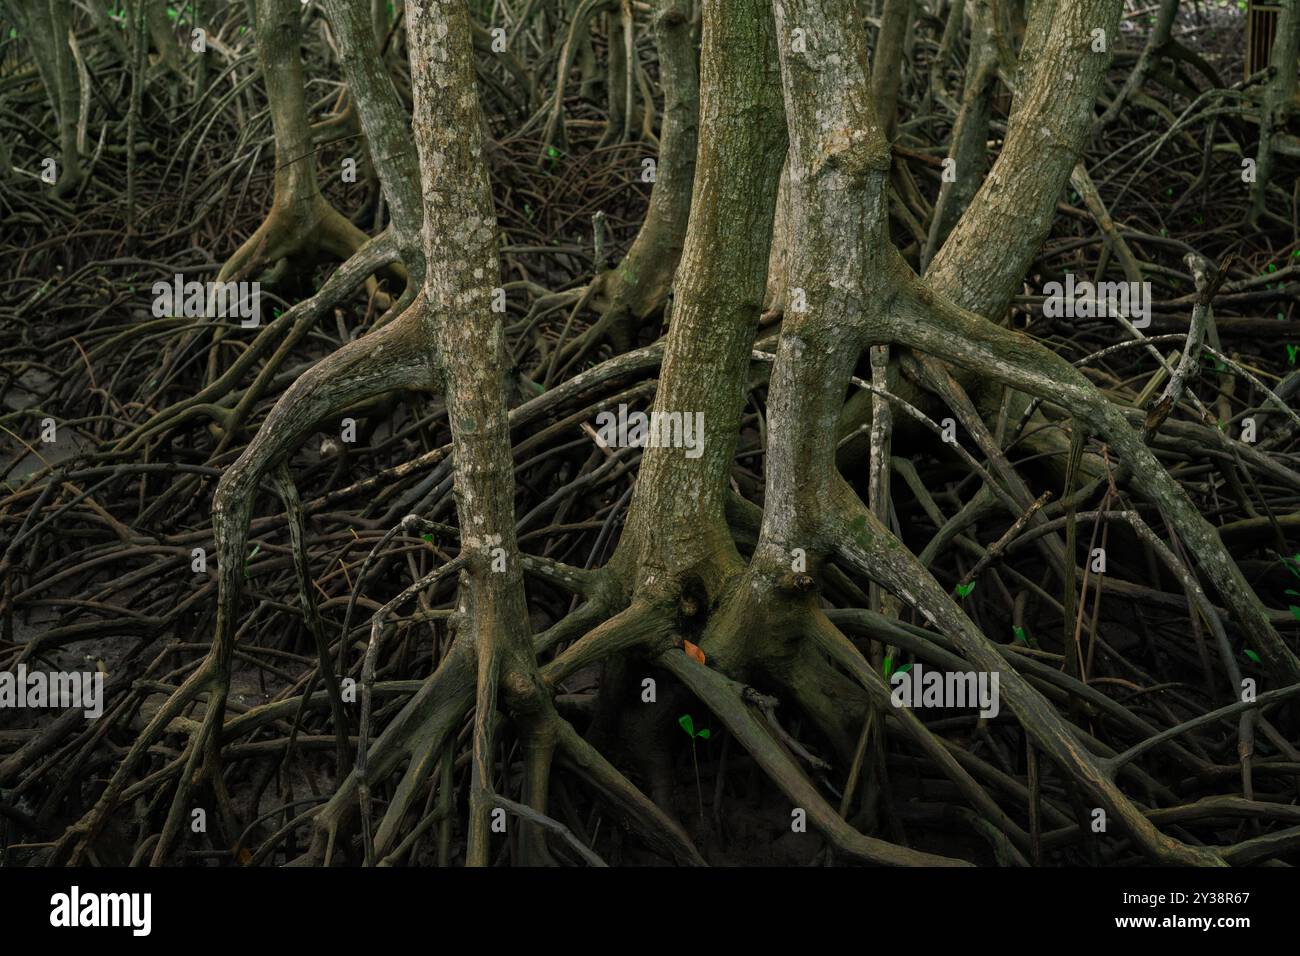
(889, 666)
(704, 733)
(1251, 654)
(427, 537)
(905, 668)
(1020, 634)
(1295, 612)
(965, 589)
(688, 725)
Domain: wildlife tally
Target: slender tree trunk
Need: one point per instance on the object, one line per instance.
(45, 25)
(628, 294)
(887, 61)
(300, 221)
(385, 123)
(968, 154)
(460, 249)
(1278, 101)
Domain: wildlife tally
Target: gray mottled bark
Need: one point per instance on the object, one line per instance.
(677, 522)
(990, 249)
(462, 270)
(854, 280)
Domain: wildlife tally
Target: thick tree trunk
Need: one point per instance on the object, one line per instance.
(460, 249)
(676, 527)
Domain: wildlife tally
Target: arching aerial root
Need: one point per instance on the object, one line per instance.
(387, 359)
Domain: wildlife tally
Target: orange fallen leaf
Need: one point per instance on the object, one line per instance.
(693, 652)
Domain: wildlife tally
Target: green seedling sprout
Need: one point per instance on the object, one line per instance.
(251, 555)
(889, 668)
(688, 725)
(1292, 564)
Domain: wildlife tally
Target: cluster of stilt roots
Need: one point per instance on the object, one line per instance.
(369, 583)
